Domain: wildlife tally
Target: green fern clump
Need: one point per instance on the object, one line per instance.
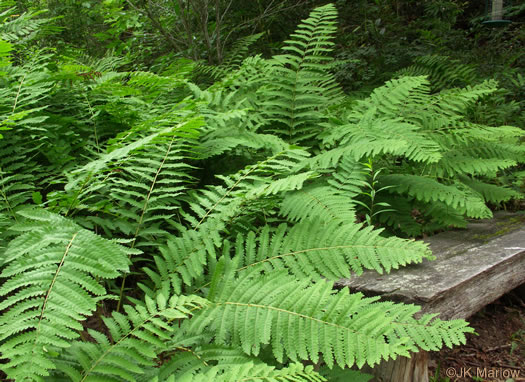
(192, 239)
(445, 166)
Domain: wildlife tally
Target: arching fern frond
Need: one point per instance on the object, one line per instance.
(456, 101)
(331, 250)
(491, 192)
(461, 199)
(455, 162)
(443, 72)
(395, 98)
(135, 340)
(51, 274)
(299, 320)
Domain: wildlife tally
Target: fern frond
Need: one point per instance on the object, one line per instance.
(455, 162)
(428, 190)
(304, 321)
(332, 249)
(456, 101)
(135, 340)
(443, 72)
(148, 185)
(51, 274)
(374, 136)
(318, 202)
(396, 98)
(491, 192)
(249, 371)
(300, 85)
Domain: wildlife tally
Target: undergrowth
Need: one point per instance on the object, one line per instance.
(157, 230)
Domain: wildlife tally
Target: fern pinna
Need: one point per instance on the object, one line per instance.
(193, 240)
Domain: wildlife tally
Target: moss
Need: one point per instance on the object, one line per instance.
(505, 226)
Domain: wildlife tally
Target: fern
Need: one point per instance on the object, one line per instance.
(50, 275)
(300, 84)
(330, 250)
(295, 319)
(491, 192)
(229, 234)
(135, 340)
(443, 72)
(428, 146)
(428, 190)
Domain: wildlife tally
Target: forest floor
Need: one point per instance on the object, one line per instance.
(496, 354)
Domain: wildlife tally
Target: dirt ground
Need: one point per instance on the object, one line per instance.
(496, 354)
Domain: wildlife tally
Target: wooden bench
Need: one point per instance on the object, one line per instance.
(473, 267)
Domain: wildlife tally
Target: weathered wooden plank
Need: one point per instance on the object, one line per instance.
(472, 269)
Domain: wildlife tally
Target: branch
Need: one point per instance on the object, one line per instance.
(158, 25)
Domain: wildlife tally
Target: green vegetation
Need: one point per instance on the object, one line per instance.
(176, 208)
